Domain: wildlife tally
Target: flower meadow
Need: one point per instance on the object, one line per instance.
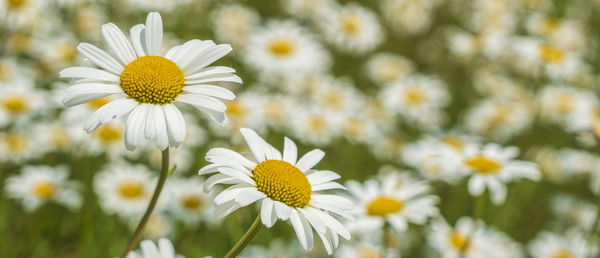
(294, 128)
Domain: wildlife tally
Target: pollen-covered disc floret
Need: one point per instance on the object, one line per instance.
(282, 182)
(152, 79)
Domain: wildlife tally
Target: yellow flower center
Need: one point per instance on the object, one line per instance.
(384, 205)
(551, 54)
(391, 71)
(18, 42)
(5, 72)
(414, 96)
(15, 103)
(282, 182)
(131, 190)
(191, 202)
(563, 253)
(16, 142)
(274, 109)
(282, 47)
(565, 103)
(549, 25)
(367, 252)
(236, 109)
(483, 165)
(44, 190)
(350, 24)
(454, 142)
(152, 79)
(15, 3)
(458, 240)
(59, 138)
(317, 124)
(97, 103)
(109, 133)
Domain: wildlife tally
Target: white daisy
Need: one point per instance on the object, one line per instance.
(352, 28)
(435, 158)
(395, 198)
(571, 244)
(286, 187)
(124, 189)
(418, 98)
(500, 119)
(37, 185)
(233, 24)
(164, 249)
(384, 68)
(284, 48)
(17, 145)
(145, 85)
(470, 239)
(19, 100)
(492, 166)
(188, 201)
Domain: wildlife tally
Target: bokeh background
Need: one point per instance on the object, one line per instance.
(369, 82)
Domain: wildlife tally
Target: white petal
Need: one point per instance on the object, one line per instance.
(89, 73)
(327, 243)
(247, 197)
(108, 112)
(476, 185)
(314, 220)
(166, 248)
(290, 151)
(309, 160)
(207, 57)
(201, 101)
(321, 176)
(283, 211)
(215, 78)
(175, 123)
(226, 208)
(216, 116)
(138, 40)
(302, 229)
(162, 137)
(153, 34)
(100, 58)
(134, 130)
(266, 211)
(210, 90)
(332, 223)
(188, 51)
(211, 70)
(254, 143)
(226, 153)
(230, 194)
(150, 127)
(118, 42)
(219, 179)
(86, 92)
(327, 186)
(149, 249)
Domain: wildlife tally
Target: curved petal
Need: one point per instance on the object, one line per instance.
(100, 58)
(309, 160)
(119, 43)
(153, 34)
(89, 73)
(175, 123)
(138, 40)
(108, 112)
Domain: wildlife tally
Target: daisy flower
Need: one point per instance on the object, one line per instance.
(233, 24)
(384, 68)
(163, 249)
(19, 100)
(418, 98)
(492, 166)
(287, 188)
(124, 189)
(571, 244)
(352, 28)
(393, 198)
(144, 85)
(470, 239)
(188, 201)
(37, 185)
(284, 48)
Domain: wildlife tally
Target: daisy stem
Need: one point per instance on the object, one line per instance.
(386, 238)
(246, 238)
(164, 170)
(594, 228)
(479, 207)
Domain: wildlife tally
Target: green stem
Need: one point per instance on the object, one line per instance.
(164, 170)
(386, 238)
(479, 207)
(246, 238)
(594, 228)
